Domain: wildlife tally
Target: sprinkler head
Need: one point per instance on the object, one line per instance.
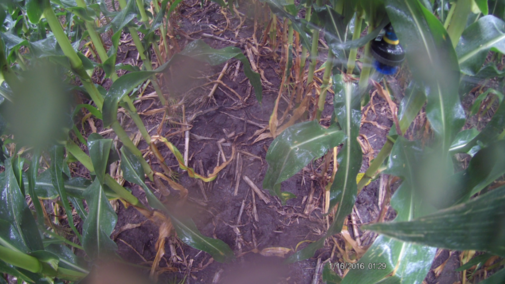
(388, 52)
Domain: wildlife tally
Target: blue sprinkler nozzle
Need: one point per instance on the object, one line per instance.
(387, 52)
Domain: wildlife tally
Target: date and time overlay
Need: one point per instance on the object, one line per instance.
(358, 266)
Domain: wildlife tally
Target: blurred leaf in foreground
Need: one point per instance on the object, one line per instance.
(40, 105)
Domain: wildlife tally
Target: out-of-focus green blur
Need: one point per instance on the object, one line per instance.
(39, 112)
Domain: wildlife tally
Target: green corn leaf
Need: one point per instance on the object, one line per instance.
(483, 6)
(190, 235)
(86, 14)
(161, 15)
(329, 276)
(488, 33)
(99, 150)
(484, 168)
(386, 254)
(21, 274)
(477, 260)
(45, 47)
(3, 14)
(307, 252)
(475, 225)
(489, 71)
(410, 106)
(374, 10)
(119, 21)
(67, 258)
(478, 102)
(56, 170)
(79, 207)
(15, 211)
(34, 10)
(196, 49)
(297, 146)
(11, 238)
(347, 109)
(497, 278)
(132, 169)
(462, 139)
(32, 177)
(489, 134)
(185, 227)
(433, 62)
(123, 18)
(44, 188)
(48, 258)
(93, 110)
(99, 224)
(17, 166)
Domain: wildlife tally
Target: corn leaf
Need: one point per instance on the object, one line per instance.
(297, 146)
(396, 255)
(56, 170)
(475, 225)
(44, 188)
(487, 135)
(463, 139)
(185, 227)
(329, 276)
(34, 10)
(99, 152)
(32, 177)
(99, 224)
(484, 168)
(15, 211)
(490, 71)
(483, 6)
(488, 33)
(347, 109)
(22, 274)
(67, 259)
(497, 278)
(476, 260)
(307, 252)
(410, 106)
(433, 62)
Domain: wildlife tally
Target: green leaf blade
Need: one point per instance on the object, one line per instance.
(99, 152)
(99, 224)
(474, 225)
(476, 41)
(347, 110)
(15, 211)
(434, 64)
(295, 148)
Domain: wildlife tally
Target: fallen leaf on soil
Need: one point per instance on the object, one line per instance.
(275, 251)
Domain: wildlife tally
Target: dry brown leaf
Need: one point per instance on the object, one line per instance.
(275, 251)
(164, 232)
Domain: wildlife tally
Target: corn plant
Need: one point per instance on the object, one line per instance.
(41, 44)
(446, 45)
